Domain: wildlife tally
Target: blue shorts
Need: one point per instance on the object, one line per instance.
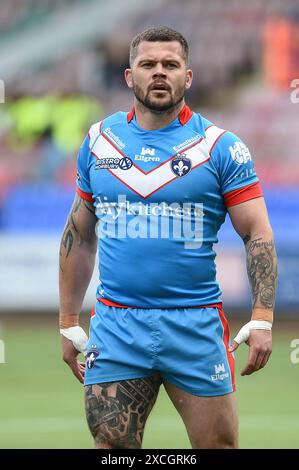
(187, 346)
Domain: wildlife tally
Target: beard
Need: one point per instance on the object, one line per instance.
(154, 104)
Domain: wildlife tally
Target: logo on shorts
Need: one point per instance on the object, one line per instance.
(181, 165)
(220, 373)
(91, 357)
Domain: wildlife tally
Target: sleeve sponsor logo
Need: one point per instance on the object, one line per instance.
(240, 153)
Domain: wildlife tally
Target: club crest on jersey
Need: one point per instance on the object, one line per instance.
(181, 165)
(91, 357)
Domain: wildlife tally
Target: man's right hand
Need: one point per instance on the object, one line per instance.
(69, 355)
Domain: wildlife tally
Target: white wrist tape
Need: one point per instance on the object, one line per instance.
(244, 333)
(77, 336)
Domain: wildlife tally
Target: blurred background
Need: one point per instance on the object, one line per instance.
(61, 66)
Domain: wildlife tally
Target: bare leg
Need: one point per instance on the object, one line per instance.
(211, 422)
(117, 411)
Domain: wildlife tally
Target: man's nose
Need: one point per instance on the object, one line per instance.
(159, 71)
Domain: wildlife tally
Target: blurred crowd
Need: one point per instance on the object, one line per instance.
(40, 137)
(49, 110)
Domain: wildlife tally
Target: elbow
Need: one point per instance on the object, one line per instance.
(261, 230)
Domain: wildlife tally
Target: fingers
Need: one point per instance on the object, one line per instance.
(70, 358)
(78, 373)
(260, 348)
(257, 360)
(82, 368)
(234, 346)
(77, 368)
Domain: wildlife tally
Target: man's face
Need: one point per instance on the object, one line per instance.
(159, 77)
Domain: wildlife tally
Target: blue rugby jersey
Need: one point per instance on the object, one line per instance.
(161, 197)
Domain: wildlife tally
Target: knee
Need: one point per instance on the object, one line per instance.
(227, 442)
(217, 441)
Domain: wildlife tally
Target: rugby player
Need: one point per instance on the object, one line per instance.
(154, 186)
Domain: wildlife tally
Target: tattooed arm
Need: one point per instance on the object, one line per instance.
(77, 257)
(250, 220)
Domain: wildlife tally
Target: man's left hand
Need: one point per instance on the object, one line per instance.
(260, 349)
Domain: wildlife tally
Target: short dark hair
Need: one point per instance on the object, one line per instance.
(157, 34)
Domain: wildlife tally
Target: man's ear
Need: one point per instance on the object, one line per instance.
(189, 78)
(128, 77)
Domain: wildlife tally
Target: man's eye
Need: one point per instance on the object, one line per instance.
(146, 64)
(172, 66)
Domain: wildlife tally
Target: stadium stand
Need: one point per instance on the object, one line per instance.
(65, 81)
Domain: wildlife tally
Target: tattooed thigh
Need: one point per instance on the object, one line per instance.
(117, 411)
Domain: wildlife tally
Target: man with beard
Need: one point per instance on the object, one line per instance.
(154, 186)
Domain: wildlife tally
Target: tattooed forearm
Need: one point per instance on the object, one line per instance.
(77, 204)
(79, 229)
(89, 207)
(73, 223)
(262, 271)
(68, 239)
(246, 239)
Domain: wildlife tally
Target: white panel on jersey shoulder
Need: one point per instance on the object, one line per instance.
(212, 135)
(93, 133)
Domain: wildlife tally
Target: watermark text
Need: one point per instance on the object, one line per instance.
(295, 93)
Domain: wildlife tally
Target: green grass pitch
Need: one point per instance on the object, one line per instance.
(42, 403)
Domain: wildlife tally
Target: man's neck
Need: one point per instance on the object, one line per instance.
(150, 120)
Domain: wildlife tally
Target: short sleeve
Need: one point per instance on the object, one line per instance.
(238, 179)
(83, 181)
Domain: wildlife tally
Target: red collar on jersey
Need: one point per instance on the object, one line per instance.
(184, 115)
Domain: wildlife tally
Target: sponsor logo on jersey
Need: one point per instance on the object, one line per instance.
(220, 373)
(148, 151)
(186, 143)
(240, 153)
(147, 155)
(104, 163)
(122, 218)
(116, 140)
(91, 356)
(124, 163)
(181, 165)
